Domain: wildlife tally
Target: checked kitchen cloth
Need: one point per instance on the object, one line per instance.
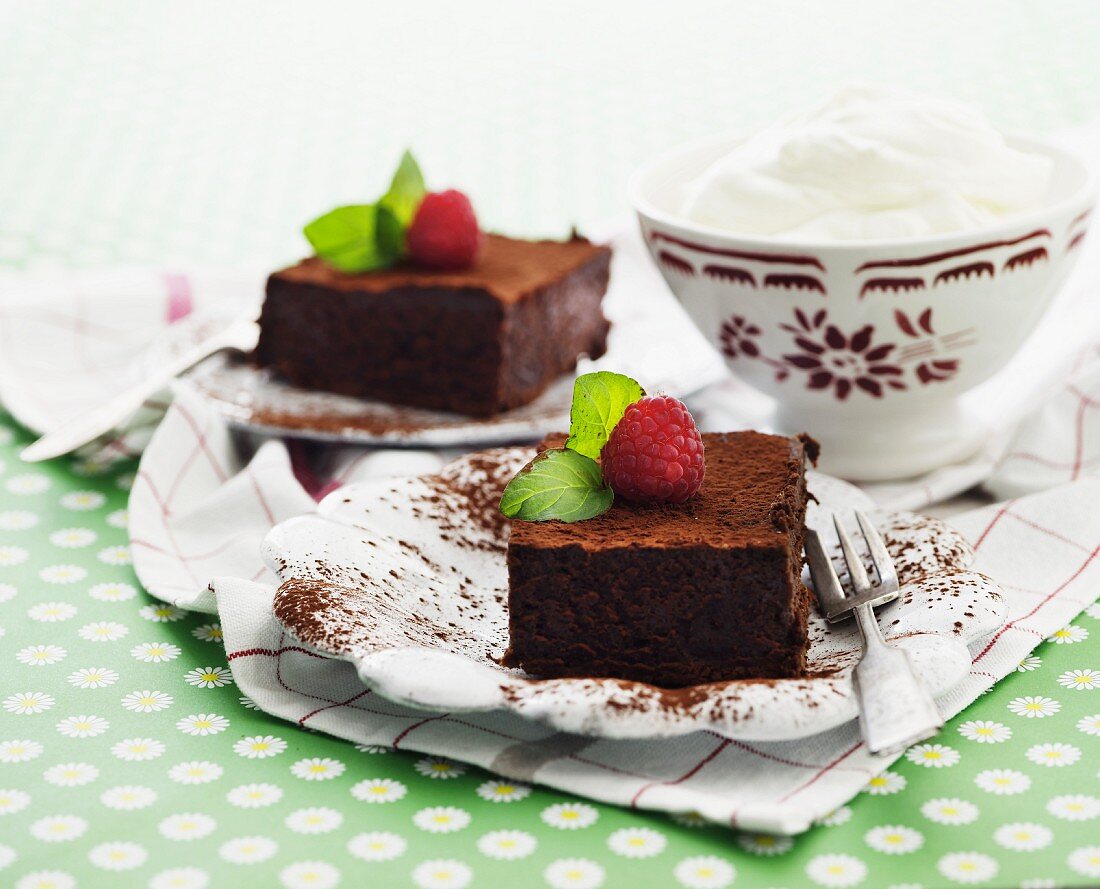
(198, 511)
(203, 501)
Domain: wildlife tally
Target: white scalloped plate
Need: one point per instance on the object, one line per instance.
(406, 578)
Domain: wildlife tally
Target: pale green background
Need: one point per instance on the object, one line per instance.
(209, 131)
(204, 134)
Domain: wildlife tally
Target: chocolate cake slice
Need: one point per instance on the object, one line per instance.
(673, 595)
(477, 341)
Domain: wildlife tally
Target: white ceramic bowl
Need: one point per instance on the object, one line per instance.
(867, 345)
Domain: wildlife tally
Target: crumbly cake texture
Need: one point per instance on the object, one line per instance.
(673, 595)
(477, 341)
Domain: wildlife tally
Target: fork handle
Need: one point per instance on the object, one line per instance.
(895, 708)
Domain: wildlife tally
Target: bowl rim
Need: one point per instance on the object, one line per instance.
(1086, 194)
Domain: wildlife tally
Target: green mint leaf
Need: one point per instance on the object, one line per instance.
(390, 234)
(406, 192)
(348, 238)
(557, 484)
(599, 402)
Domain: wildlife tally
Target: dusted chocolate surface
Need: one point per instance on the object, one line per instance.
(507, 268)
(477, 342)
(673, 595)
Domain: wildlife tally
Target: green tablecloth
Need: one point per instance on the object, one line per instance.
(127, 756)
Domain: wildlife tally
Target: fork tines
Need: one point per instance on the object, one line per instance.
(835, 603)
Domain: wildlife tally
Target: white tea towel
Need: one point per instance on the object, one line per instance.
(69, 341)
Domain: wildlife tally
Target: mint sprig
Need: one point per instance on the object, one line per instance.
(406, 190)
(351, 238)
(567, 483)
(363, 237)
(599, 401)
(558, 484)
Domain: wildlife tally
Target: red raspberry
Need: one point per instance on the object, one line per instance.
(654, 453)
(444, 232)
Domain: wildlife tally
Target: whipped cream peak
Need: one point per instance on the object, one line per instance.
(869, 164)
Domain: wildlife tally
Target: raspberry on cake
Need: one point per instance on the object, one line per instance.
(654, 454)
(444, 232)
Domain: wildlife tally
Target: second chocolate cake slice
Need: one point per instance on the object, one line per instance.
(673, 595)
(476, 341)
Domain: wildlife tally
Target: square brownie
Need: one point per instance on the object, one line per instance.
(673, 595)
(477, 341)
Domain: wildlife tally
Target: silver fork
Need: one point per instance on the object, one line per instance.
(895, 708)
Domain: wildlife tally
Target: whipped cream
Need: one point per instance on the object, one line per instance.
(869, 164)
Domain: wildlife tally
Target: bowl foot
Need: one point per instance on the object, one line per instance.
(888, 447)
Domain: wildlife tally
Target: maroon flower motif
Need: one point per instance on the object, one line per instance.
(916, 329)
(842, 362)
(737, 336)
(936, 371)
